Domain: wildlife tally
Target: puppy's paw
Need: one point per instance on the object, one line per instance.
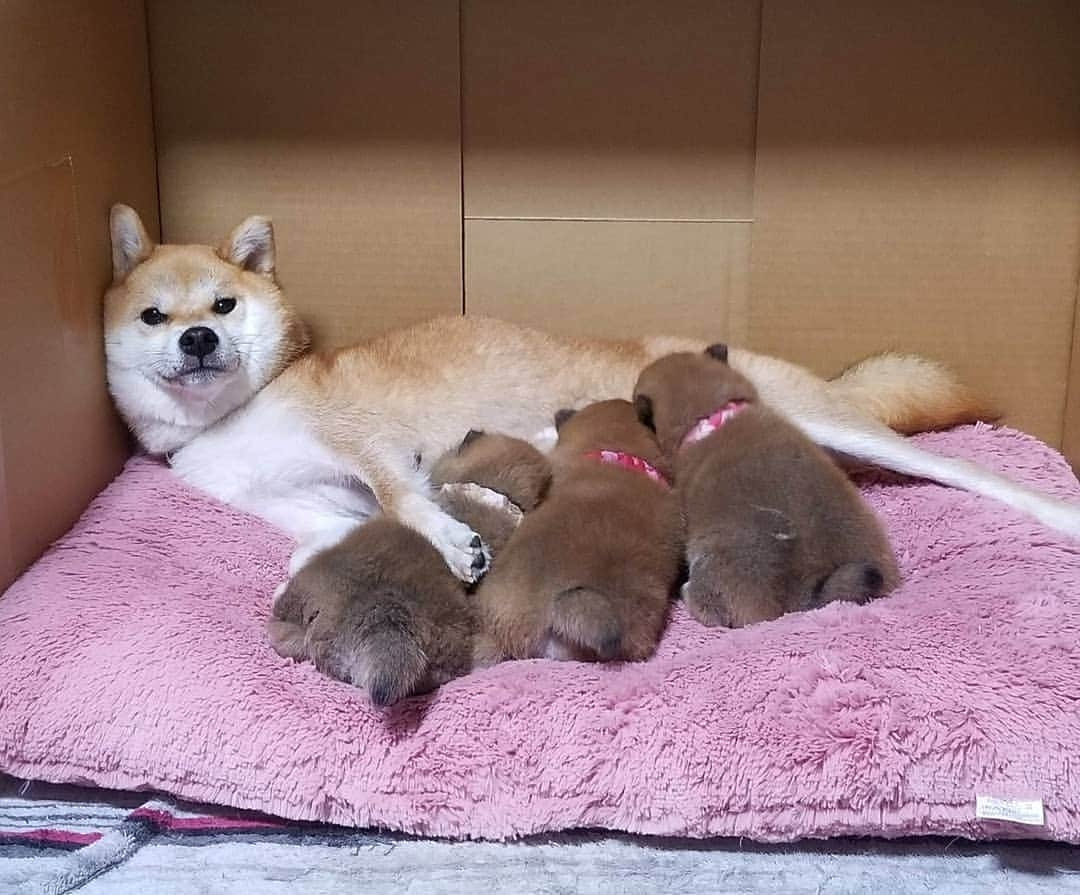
(706, 606)
(287, 638)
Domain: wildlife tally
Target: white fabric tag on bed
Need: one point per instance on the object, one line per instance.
(1018, 811)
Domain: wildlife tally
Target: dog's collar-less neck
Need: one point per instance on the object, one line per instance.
(705, 426)
(629, 461)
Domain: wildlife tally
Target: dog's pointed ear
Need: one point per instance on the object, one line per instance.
(131, 244)
(251, 246)
(561, 416)
(643, 406)
(470, 437)
(717, 351)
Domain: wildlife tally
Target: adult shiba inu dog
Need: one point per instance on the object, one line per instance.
(208, 365)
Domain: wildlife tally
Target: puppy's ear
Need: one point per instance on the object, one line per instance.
(251, 246)
(131, 245)
(644, 408)
(717, 351)
(561, 416)
(470, 437)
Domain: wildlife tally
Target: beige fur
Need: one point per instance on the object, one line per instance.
(290, 440)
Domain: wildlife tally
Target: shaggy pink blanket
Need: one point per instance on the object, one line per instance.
(133, 655)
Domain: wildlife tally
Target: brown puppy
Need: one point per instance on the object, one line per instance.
(589, 574)
(381, 610)
(490, 482)
(772, 525)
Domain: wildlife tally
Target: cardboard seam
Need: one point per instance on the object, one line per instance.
(153, 120)
(607, 220)
(739, 316)
(461, 146)
(8, 570)
(1070, 418)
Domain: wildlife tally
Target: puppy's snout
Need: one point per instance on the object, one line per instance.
(198, 341)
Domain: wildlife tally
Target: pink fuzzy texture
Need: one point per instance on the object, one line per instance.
(133, 655)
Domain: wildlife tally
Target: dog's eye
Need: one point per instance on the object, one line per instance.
(224, 305)
(152, 317)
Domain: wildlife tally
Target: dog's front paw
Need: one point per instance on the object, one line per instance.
(461, 548)
(465, 553)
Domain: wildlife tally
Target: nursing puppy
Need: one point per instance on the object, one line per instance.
(589, 574)
(772, 524)
(206, 362)
(490, 482)
(381, 610)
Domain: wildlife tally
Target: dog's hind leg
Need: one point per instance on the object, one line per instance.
(881, 446)
(841, 417)
(585, 617)
(853, 582)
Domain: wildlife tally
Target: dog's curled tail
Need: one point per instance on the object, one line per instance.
(909, 393)
(390, 661)
(585, 618)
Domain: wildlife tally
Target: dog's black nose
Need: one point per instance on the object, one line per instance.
(198, 341)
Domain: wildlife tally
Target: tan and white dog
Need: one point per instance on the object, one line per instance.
(207, 364)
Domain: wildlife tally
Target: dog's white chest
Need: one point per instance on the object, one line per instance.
(265, 460)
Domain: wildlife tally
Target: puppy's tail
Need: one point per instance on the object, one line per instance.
(853, 582)
(909, 393)
(390, 662)
(586, 618)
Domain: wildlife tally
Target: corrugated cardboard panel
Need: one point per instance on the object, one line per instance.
(611, 278)
(610, 108)
(339, 120)
(75, 136)
(917, 183)
(1071, 440)
(46, 415)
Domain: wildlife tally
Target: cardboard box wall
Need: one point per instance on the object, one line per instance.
(818, 180)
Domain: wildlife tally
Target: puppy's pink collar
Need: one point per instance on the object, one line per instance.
(629, 461)
(705, 427)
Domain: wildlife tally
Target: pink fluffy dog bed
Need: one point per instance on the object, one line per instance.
(133, 655)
